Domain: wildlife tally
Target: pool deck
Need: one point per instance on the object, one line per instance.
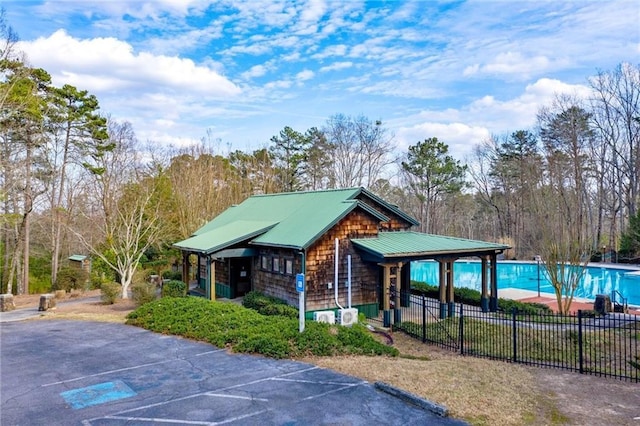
(549, 299)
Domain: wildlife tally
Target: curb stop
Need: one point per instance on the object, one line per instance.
(410, 398)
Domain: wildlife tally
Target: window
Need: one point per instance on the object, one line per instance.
(264, 262)
(276, 264)
(288, 267)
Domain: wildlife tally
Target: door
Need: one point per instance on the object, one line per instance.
(240, 276)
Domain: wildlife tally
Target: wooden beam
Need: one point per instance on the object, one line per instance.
(450, 293)
(386, 286)
(398, 284)
(493, 301)
(484, 296)
(185, 268)
(442, 278)
(212, 278)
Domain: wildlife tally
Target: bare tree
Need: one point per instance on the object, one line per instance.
(565, 239)
(128, 220)
(361, 150)
(615, 105)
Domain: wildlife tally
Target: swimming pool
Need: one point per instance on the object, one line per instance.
(524, 275)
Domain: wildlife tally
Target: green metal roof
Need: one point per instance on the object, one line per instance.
(77, 257)
(224, 236)
(296, 219)
(394, 245)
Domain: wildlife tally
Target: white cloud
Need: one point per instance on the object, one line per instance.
(520, 112)
(460, 137)
(512, 63)
(336, 66)
(103, 64)
(255, 71)
(470, 124)
(305, 75)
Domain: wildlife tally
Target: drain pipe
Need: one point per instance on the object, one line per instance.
(349, 281)
(336, 256)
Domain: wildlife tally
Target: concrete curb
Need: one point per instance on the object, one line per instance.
(410, 398)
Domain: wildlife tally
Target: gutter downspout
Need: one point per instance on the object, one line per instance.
(336, 258)
(349, 281)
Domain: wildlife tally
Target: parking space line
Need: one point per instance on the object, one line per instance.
(158, 420)
(179, 421)
(344, 386)
(106, 372)
(316, 382)
(157, 404)
(125, 369)
(265, 379)
(248, 398)
(210, 352)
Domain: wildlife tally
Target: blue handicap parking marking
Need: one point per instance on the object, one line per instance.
(97, 394)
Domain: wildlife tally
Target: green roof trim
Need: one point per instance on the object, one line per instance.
(226, 235)
(391, 207)
(393, 245)
(77, 257)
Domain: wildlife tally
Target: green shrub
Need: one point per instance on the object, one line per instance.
(526, 308)
(265, 345)
(268, 305)
(357, 340)
(174, 288)
(39, 285)
(71, 279)
(471, 297)
(110, 292)
(143, 292)
(317, 339)
(172, 275)
(245, 330)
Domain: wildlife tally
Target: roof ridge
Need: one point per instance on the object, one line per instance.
(314, 191)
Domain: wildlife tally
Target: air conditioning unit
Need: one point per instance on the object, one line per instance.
(325, 316)
(348, 316)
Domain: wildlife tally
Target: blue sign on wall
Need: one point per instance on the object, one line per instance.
(300, 283)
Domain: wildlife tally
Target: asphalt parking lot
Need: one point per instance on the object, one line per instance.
(88, 373)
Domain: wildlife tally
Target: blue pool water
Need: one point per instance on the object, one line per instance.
(524, 276)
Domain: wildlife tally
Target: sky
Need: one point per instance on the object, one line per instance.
(238, 72)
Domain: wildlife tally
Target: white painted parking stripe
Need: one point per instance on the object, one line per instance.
(211, 352)
(333, 391)
(106, 372)
(235, 419)
(159, 420)
(248, 398)
(157, 404)
(180, 421)
(265, 379)
(125, 369)
(315, 382)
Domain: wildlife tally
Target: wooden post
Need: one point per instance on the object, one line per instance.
(484, 297)
(442, 278)
(185, 268)
(450, 292)
(212, 279)
(386, 287)
(493, 301)
(397, 313)
(398, 284)
(386, 294)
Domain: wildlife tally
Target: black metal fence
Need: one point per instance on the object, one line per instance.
(598, 345)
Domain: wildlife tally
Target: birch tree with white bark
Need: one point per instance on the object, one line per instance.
(128, 221)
